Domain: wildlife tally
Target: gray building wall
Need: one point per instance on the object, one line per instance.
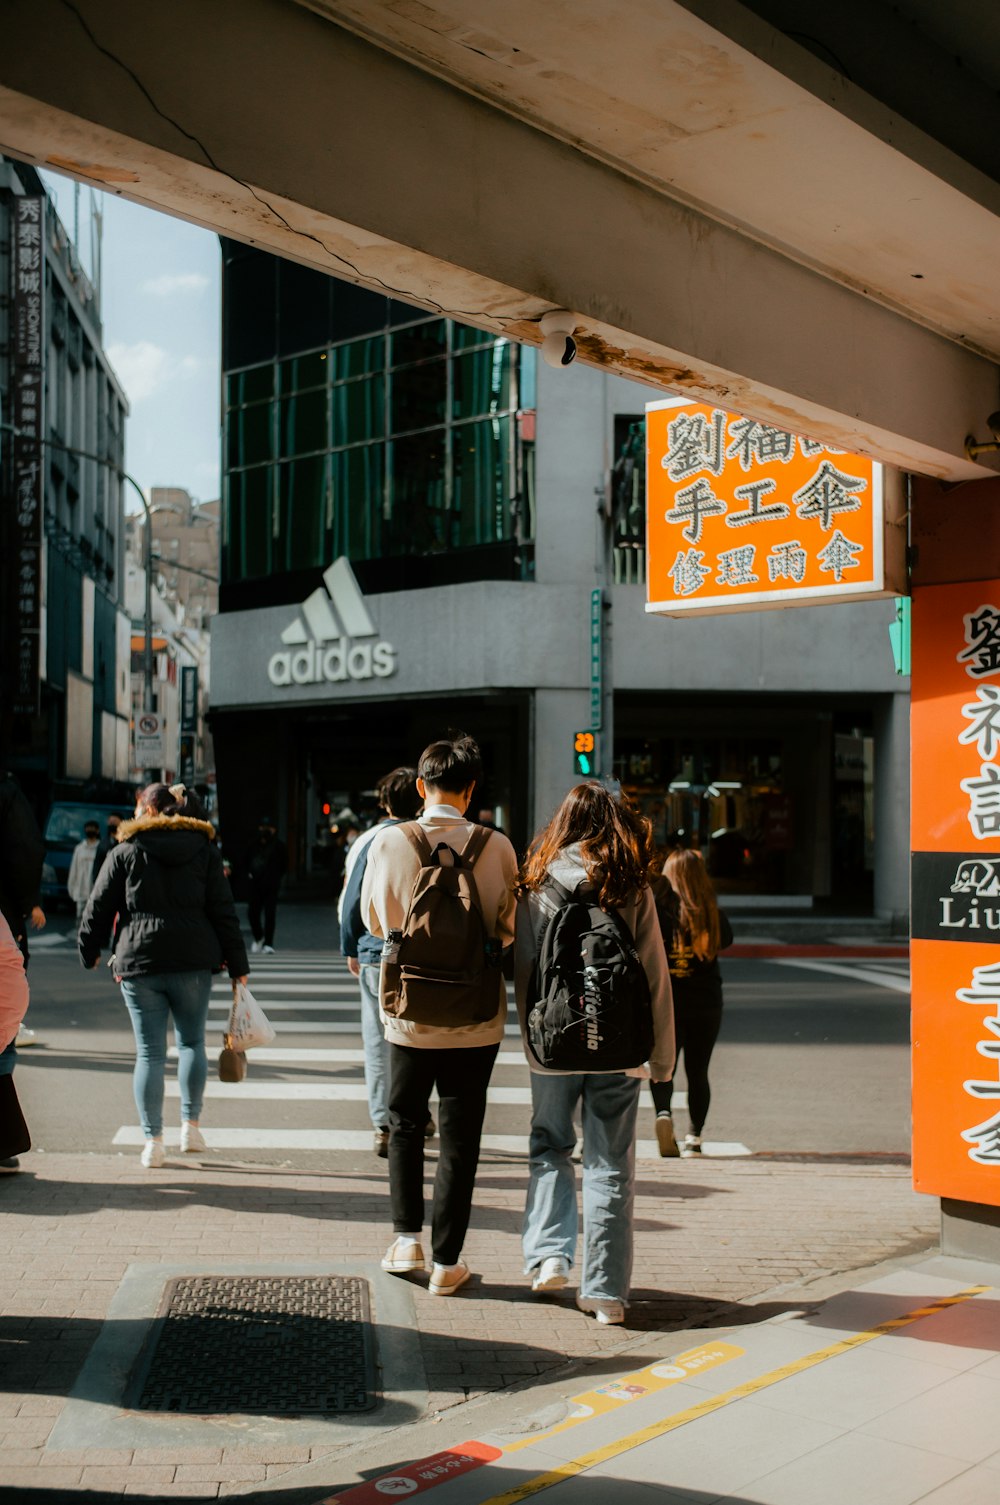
(536, 636)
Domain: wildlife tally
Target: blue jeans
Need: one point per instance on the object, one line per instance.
(376, 1048)
(610, 1103)
(151, 1002)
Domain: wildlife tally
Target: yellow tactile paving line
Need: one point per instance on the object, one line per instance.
(576, 1466)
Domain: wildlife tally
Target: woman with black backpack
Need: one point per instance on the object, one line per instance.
(594, 1002)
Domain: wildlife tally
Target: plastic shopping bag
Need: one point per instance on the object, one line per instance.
(249, 1026)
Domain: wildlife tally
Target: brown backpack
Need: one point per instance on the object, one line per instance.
(442, 968)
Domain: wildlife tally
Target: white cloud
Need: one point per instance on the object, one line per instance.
(169, 283)
(142, 368)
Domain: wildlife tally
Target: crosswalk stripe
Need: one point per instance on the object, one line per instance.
(325, 1026)
(361, 1139)
(326, 1092)
(889, 980)
(347, 988)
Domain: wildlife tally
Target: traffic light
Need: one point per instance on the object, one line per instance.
(585, 754)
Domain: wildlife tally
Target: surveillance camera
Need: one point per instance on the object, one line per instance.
(558, 344)
(558, 350)
(993, 424)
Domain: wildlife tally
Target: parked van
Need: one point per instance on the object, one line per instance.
(63, 832)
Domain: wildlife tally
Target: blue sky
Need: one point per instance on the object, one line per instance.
(160, 299)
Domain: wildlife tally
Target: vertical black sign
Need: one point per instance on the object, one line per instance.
(189, 722)
(28, 321)
(189, 699)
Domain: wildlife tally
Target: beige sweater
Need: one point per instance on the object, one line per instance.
(385, 897)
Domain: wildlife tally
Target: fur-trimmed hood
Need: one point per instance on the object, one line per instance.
(140, 823)
(173, 840)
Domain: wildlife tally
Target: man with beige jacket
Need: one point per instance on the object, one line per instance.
(456, 1057)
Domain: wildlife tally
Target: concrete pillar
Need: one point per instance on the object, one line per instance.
(558, 713)
(892, 809)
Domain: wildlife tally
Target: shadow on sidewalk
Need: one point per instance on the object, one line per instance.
(581, 1490)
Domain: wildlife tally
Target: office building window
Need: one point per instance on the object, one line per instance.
(401, 443)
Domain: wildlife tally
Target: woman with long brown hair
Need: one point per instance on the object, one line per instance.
(694, 930)
(599, 1001)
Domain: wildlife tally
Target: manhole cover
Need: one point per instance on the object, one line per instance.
(281, 1345)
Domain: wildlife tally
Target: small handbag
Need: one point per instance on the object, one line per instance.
(232, 1063)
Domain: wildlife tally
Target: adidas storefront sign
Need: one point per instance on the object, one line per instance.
(332, 639)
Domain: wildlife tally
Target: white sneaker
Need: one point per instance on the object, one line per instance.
(192, 1140)
(254, 947)
(552, 1274)
(691, 1145)
(24, 1036)
(267, 950)
(153, 1154)
(606, 1312)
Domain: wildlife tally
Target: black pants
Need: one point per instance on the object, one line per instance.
(263, 900)
(461, 1077)
(696, 1029)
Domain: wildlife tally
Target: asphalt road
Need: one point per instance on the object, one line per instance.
(813, 1059)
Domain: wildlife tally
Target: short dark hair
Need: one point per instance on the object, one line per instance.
(453, 763)
(92, 825)
(397, 793)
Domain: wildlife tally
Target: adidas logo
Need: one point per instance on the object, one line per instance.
(322, 643)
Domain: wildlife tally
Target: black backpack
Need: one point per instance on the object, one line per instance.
(589, 1006)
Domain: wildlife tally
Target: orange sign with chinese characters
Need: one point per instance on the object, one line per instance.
(955, 890)
(739, 514)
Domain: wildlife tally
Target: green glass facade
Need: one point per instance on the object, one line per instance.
(403, 443)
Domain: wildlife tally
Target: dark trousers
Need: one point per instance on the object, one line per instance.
(263, 901)
(461, 1077)
(696, 1029)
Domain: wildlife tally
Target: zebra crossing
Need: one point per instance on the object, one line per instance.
(311, 1096)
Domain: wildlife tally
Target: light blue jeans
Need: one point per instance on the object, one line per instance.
(376, 1048)
(609, 1107)
(152, 1002)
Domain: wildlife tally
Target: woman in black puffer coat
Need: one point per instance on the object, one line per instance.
(176, 925)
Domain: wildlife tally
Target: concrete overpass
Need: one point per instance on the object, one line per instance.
(791, 213)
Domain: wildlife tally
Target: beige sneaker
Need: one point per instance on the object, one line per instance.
(666, 1139)
(445, 1281)
(153, 1154)
(402, 1255)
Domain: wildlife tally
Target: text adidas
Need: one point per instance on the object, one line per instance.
(342, 660)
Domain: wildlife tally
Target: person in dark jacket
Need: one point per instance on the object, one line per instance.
(265, 866)
(177, 924)
(694, 931)
(22, 852)
(397, 796)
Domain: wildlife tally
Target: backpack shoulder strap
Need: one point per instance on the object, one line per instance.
(417, 837)
(478, 837)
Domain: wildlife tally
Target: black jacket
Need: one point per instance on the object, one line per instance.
(164, 881)
(695, 981)
(266, 863)
(22, 852)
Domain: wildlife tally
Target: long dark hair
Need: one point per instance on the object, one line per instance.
(698, 910)
(616, 844)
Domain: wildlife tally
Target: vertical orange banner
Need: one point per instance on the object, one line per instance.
(955, 890)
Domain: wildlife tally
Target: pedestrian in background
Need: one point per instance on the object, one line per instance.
(266, 863)
(444, 1007)
(596, 849)
(694, 931)
(177, 925)
(397, 796)
(84, 866)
